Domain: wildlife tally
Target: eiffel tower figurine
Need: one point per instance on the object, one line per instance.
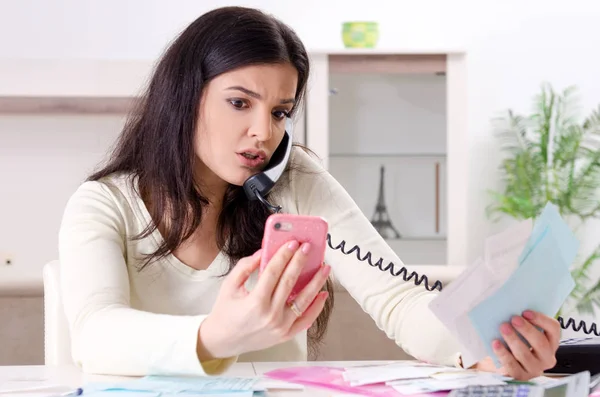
(381, 219)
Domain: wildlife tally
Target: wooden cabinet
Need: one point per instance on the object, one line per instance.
(396, 118)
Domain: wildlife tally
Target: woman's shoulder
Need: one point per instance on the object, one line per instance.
(305, 168)
(305, 175)
(303, 158)
(111, 186)
(109, 196)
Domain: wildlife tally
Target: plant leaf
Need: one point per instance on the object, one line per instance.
(551, 155)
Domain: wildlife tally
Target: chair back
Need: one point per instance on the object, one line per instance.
(57, 337)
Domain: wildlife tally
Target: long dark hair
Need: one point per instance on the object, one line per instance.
(157, 143)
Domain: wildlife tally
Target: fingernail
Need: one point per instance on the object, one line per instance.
(325, 269)
(506, 329)
(517, 321)
(293, 245)
(529, 315)
(305, 248)
(323, 295)
(496, 344)
(257, 253)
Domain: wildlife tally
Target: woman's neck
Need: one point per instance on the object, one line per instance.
(201, 248)
(210, 185)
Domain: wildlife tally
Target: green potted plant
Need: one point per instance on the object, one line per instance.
(552, 155)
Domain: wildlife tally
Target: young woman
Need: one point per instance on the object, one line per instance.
(159, 248)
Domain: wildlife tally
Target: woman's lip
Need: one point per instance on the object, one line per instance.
(251, 163)
(255, 152)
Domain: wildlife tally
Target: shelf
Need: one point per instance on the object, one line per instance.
(388, 63)
(429, 252)
(370, 155)
(422, 50)
(73, 78)
(65, 105)
(416, 238)
(66, 86)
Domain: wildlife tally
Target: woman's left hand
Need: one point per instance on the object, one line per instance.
(519, 361)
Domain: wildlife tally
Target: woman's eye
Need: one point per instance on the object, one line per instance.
(280, 114)
(238, 103)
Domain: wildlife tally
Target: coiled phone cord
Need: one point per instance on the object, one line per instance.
(581, 326)
(418, 280)
(414, 276)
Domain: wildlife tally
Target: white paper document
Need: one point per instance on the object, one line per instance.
(368, 376)
(455, 301)
(503, 249)
(478, 282)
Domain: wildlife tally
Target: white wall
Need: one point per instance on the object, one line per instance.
(133, 29)
(512, 47)
(42, 161)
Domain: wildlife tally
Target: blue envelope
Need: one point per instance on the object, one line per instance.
(541, 283)
(550, 218)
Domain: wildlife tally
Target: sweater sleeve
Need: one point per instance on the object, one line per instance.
(398, 307)
(107, 335)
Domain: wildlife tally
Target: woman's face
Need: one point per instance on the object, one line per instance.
(242, 121)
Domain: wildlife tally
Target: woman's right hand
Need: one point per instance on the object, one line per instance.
(242, 321)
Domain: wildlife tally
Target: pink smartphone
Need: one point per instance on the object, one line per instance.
(282, 228)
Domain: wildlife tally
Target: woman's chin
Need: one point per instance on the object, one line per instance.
(238, 180)
(237, 176)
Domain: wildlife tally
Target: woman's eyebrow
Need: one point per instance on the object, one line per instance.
(257, 95)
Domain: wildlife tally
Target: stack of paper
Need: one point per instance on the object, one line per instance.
(359, 376)
(390, 380)
(523, 268)
(420, 378)
(206, 386)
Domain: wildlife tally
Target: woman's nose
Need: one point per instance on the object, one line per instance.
(262, 128)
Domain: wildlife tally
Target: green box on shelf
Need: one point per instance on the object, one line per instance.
(360, 34)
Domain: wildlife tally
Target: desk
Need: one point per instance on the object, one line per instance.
(72, 376)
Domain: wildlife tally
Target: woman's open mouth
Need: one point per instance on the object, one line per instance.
(251, 160)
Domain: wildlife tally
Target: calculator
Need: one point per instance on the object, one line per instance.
(508, 390)
(577, 385)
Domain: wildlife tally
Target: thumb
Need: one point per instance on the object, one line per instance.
(243, 269)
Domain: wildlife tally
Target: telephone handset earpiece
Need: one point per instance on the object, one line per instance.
(259, 185)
